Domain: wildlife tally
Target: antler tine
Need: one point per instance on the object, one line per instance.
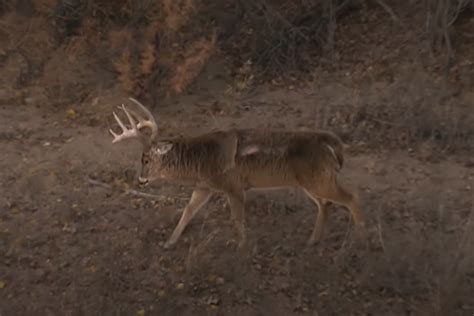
(142, 122)
(149, 122)
(126, 132)
(130, 118)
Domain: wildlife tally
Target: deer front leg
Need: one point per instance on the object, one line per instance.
(237, 208)
(197, 201)
(332, 191)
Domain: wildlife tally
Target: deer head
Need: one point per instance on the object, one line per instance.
(152, 151)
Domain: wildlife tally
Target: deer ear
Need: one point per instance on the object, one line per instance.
(163, 147)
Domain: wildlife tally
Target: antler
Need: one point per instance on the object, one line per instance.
(149, 122)
(126, 132)
(134, 130)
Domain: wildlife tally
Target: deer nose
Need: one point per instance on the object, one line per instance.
(142, 181)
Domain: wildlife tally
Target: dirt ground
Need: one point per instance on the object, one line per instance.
(76, 239)
(79, 237)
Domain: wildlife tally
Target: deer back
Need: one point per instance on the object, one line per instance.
(200, 157)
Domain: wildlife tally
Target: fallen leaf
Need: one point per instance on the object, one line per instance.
(140, 312)
(180, 286)
(15, 210)
(161, 293)
(211, 278)
(2, 284)
(71, 113)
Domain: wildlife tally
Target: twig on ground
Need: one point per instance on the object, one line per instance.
(380, 234)
(126, 191)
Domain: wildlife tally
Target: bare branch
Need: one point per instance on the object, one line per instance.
(390, 11)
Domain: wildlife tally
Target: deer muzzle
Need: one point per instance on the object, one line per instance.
(142, 181)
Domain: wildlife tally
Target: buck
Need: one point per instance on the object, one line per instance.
(238, 160)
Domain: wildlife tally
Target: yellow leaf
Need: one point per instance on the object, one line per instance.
(15, 210)
(161, 293)
(140, 312)
(92, 269)
(180, 286)
(71, 113)
(211, 278)
(2, 284)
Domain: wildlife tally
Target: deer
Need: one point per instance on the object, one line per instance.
(235, 161)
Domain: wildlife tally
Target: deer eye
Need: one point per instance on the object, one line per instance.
(145, 160)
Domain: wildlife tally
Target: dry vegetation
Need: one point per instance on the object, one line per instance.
(393, 78)
(152, 48)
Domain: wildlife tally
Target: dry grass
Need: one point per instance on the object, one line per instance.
(148, 59)
(177, 13)
(149, 38)
(119, 39)
(142, 42)
(193, 63)
(126, 75)
(284, 36)
(415, 112)
(44, 6)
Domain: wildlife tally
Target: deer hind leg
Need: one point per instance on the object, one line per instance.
(197, 201)
(318, 230)
(237, 207)
(332, 191)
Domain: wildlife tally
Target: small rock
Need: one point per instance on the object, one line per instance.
(220, 281)
(213, 300)
(30, 101)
